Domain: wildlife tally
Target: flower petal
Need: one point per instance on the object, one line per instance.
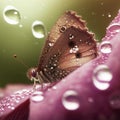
(94, 104)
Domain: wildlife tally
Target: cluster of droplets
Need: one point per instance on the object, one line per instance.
(75, 49)
(12, 16)
(102, 74)
(10, 102)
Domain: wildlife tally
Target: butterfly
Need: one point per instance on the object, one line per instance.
(68, 46)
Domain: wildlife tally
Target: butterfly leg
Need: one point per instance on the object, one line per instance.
(40, 80)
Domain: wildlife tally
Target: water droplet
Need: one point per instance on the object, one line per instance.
(114, 28)
(12, 107)
(71, 36)
(74, 49)
(11, 15)
(109, 15)
(90, 100)
(62, 29)
(37, 96)
(115, 101)
(102, 73)
(103, 15)
(100, 85)
(70, 100)
(51, 44)
(101, 77)
(54, 87)
(106, 47)
(38, 29)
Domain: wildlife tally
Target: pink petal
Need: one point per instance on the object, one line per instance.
(95, 104)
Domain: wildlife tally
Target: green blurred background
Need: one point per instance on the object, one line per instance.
(18, 39)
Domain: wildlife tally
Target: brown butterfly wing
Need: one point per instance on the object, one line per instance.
(74, 47)
(68, 19)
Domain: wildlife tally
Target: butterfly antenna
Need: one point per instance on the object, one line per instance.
(20, 61)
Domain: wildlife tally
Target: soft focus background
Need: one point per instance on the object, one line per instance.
(16, 29)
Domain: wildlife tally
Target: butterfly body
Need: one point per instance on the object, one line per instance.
(68, 46)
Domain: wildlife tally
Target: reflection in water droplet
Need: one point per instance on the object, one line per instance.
(106, 47)
(115, 101)
(101, 77)
(114, 28)
(70, 100)
(37, 96)
(11, 15)
(38, 29)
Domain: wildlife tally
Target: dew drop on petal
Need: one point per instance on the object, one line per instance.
(102, 73)
(11, 15)
(106, 47)
(115, 101)
(37, 96)
(114, 28)
(101, 85)
(54, 87)
(38, 29)
(70, 100)
(101, 77)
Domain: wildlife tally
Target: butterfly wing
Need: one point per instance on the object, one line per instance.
(68, 50)
(68, 19)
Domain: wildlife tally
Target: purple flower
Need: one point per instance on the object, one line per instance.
(92, 92)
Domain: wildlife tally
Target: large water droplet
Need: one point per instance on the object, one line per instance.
(11, 15)
(37, 96)
(106, 47)
(101, 77)
(115, 101)
(38, 29)
(114, 28)
(102, 73)
(70, 100)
